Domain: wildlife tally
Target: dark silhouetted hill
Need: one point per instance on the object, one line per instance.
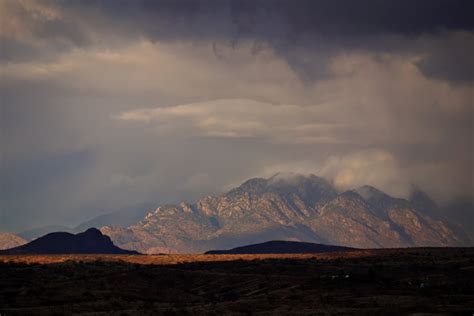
(278, 246)
(92, 241)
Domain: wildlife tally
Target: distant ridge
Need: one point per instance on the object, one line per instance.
(279, 247)
(36, 232)
(92, 241)
(9, 240)
(122, 217)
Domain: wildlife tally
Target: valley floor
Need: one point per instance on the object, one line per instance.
(392, 281)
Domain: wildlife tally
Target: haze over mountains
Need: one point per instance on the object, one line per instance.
(299, 208)
(122, 217)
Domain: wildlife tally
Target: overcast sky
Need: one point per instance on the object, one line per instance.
(106, 104)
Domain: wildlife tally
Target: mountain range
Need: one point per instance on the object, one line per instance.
(297, 208)
(92, 241)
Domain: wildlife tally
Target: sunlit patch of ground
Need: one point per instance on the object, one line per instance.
(397, 281)
(173, 258)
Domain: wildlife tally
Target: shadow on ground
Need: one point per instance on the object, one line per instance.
(393, 281)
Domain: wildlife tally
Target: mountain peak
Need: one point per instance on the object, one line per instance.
(310, 189)
(293, 179)
(369, 192)
(286, 207)
(90, 241)
(92, 232)
(254, 183)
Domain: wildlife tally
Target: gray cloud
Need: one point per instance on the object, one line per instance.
(307, 35)
(451, 61)
(111, 103)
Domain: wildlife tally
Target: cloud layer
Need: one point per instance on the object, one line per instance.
(111, 103)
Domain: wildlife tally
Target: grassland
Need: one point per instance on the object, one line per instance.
(397, 281)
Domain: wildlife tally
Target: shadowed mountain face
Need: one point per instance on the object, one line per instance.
(91, 241)
(461, 211)
(279, 246)
(295, 208)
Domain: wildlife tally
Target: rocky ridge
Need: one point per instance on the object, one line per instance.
(298, 208)
(9, 240)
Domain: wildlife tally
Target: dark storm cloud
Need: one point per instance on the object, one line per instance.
(324, 28)
(452, 62)
(111, 103)
(255, 18)
(308, 34)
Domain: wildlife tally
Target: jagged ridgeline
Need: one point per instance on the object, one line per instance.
(299, 208)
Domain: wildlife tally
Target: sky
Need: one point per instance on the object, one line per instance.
(107, 104)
